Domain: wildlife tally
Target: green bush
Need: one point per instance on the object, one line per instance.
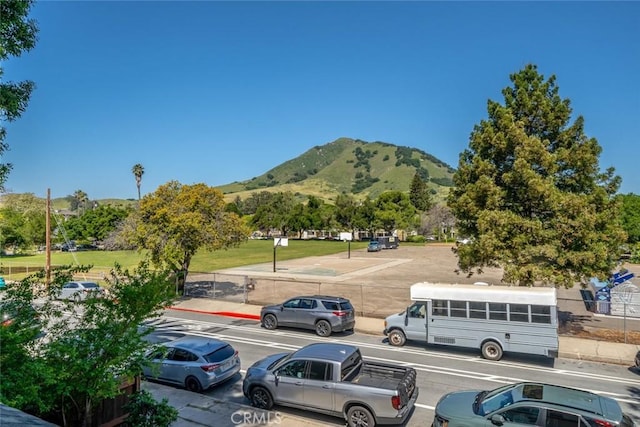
(416, 239)
(145, 411)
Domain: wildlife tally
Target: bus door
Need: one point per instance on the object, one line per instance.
(416, 321)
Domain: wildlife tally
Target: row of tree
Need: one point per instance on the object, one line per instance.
(24, 215)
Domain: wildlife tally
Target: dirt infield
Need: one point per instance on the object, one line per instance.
(377, 283)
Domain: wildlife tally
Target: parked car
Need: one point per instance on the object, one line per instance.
(374, 246)
(333, 379)
(322, 313)
(193, 362)
(529, 403)
(3, 284)
(80, 291)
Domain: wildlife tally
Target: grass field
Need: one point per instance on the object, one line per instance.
(251, 252)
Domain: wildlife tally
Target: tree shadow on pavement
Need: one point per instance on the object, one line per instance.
(217, 289)
(635, 393)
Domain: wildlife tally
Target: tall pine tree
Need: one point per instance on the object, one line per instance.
(530, 191)
(419, 194)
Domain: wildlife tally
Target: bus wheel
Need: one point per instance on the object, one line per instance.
(397, 338)
(491, 350)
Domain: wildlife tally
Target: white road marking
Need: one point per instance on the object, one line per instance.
(418, 366)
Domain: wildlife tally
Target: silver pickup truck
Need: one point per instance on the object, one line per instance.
(333, 379)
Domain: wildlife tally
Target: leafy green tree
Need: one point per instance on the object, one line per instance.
(365, 218)
(299, 219)
(177, 220)
(18, 34)
(276, 213)
(530, 192)
(255, 200)
(138, 171)
(22, 221)
(394, 210)
(319, 214)
(419, 194)
(11, 225)
(95, 224)
(346, 211)
(630, 216)
(88, 351)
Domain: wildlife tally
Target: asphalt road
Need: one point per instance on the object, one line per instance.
(439, 370)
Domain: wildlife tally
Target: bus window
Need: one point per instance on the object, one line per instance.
(519, 312)
(477, 310)
(440, 307)
(541, 314)
(458, 309)
(497, 311)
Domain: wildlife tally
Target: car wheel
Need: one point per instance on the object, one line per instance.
(397, 338)
(491, 350)
(269, 321)
(192, 384)
(261, 398)
(359, 416)
(323, 328)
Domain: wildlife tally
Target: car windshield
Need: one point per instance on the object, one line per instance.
(496, 399)
(89, 285)
(282, 359)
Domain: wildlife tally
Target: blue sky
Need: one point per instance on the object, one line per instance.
(217, 92)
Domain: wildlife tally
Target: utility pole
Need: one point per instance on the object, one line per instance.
(47, 267)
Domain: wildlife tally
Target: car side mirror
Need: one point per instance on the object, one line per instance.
(406, 317)
(497, 419)
(276, 375)
(282, 308)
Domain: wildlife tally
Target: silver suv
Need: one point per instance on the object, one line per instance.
(532, 404)
(322, 313)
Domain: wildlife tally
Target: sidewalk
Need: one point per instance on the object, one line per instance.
(201, 410)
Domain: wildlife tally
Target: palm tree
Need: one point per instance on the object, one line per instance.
(81, 200)
(138, 171)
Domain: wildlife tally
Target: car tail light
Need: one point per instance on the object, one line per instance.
(395, 402)
(340, 313)
(7, 322)
(601, 423)
(210, 367)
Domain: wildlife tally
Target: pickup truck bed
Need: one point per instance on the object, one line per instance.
(384, 376)
(375, 375)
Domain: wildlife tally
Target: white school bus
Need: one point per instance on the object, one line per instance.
(494, 319)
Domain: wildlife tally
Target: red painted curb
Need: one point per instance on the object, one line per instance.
(219, 313)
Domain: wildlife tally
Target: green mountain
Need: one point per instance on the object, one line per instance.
(349, 166)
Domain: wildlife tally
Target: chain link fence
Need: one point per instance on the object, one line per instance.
(371, 301)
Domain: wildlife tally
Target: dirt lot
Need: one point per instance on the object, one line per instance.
(377, 284)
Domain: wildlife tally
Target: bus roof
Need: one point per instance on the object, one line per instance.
(483, 293)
